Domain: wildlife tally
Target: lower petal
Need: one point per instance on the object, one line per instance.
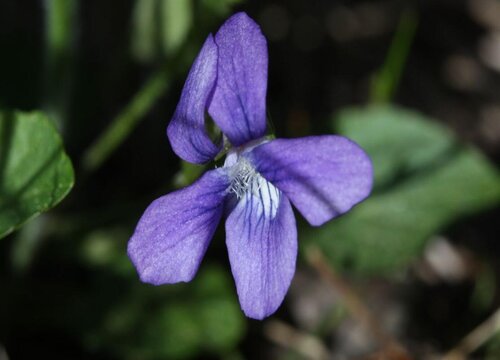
(262, 244)
(174, 232)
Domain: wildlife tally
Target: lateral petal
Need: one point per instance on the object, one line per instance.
(323, 176)
(238, 106)
(261, 238)
(186, 131)
(174, 232)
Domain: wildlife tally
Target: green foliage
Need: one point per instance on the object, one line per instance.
(493, 347)
(159, 27)
(105, 248)
(144, 30)
(483, 295)
(61, 23)
(150, 322)
(220, 7)
(208, 319)
(127, 120)
(424, 181)
(398, 141)
(175, 322)
(35, 172)
(188, 174)
(177, 21)
(386, 80)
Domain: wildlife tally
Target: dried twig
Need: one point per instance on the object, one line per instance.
(291, 338)
(390, 348)
(475, 338)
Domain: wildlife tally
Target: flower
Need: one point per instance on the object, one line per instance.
(322, 176)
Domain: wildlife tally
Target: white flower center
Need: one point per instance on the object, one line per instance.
(249, 186)
(243, 178)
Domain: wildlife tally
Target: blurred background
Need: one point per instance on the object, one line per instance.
(412, 273)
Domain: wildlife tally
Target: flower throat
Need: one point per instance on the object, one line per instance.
(243, 178)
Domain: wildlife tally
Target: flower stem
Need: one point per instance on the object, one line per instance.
(60, 25)
(289, 337)
(123, 124)
(386, 80)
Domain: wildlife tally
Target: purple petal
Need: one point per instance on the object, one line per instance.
(186, 130)
(175, 230)
(323, 176)
(262, 245)
(239, 102)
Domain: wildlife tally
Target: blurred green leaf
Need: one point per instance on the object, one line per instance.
(107, 248)
(493, 348)
(35, 172)
(208, 319)
(485, 286)
(399, 141)
(28, 241)
(159, 27)
(177, 18)
(173, 333)
(433, 182)
(61, 22)
(223, 324)
(188, 174)
(144, 39)
(220, 7)
(176, 321)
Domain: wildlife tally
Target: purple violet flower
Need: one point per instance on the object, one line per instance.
(322, 176)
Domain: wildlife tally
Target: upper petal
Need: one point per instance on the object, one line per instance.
(186, 130)
(239, 102)
(323, 176)
(261, 238)
(175, 230)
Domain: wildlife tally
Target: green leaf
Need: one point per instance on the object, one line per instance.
(485, 287)
(105, 248)
(61, 24)
(35, 172)
(177, 18)
(208, 319)
(425, 181)
(220, 7)
(159, 28)
(188, 174)
(145, 37)
(173, 333)
(398, 141)
(175, 321)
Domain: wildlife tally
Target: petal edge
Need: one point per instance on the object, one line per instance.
(323, 176)
(173, 234)
(238, 105)
(186, 131)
